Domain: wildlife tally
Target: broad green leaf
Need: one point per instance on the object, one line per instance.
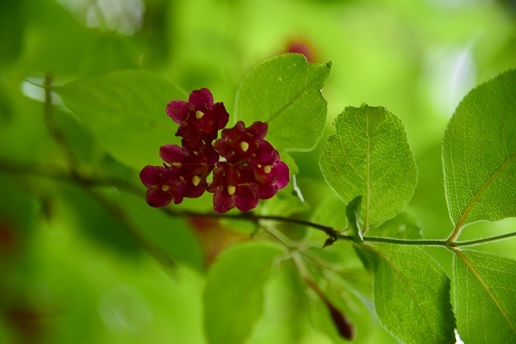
(479, 153)
(369, 156)
(402, 226)
(286, 316)
(412, 294)
(234, 291)
(483, 297)
(126, 113)
(285, 92)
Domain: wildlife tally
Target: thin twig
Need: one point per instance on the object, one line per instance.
(483, 240)
(86, 181)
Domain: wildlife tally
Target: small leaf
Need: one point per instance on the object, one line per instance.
(369, 155)
(353, 215)
(402, 226)
(285, 92)
(328, 242)
(234, 291)
(126, 113)
(479, 153)
(412, 295)
(483, 297)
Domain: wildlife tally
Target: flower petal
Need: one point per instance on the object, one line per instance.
(152, 175)
(222, 201)
(246, 198)
(266, 191)
(220, 115)
(191, 190)
(201, 99)
(179, 111)
(156, 197)
(240, 144)
(281, 174)
(258, 130)
(266, 154)
(172, 154)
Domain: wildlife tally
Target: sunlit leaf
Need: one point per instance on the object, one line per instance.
(411, 294)
(285, 92)
(234, 291)
(369, 156)
(126, 113)
(479, 153)
(483, 296)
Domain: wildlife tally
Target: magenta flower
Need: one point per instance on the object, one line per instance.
(271, 173)
(250, 169)
(199, 118)
(233, 185)
(164, 185)
(240, 143)
(182, 175)
(253, 169)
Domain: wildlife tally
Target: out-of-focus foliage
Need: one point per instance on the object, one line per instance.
(91, 263)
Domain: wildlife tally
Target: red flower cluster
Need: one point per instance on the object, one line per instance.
(250, 169)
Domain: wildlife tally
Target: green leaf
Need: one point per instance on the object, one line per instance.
(412, 295)
(126, 113)
(483, 290)
(96, 221)
(234, 291)
(285, 92)
(171, 237)
(286, 316)
(329, 210)
(402, 226)
(12, 24)
(479, 153)
(369, 156)
(353, 216)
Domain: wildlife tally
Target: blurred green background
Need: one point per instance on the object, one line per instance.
(72, 270)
